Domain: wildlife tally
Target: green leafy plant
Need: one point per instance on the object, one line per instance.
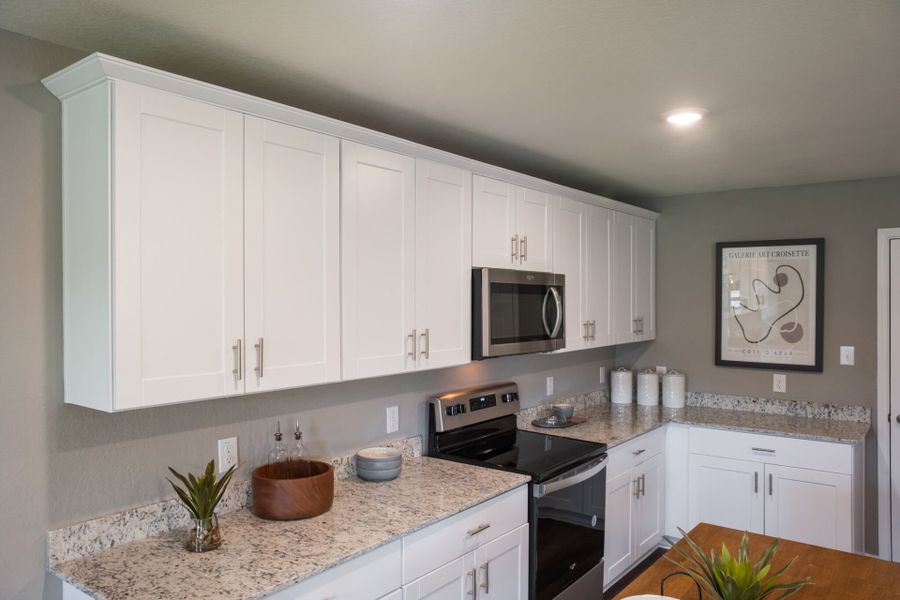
(735, 578)
(200, 495)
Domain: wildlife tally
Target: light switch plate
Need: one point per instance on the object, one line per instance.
(550, 386)
(228, 454)
(848, 355)
(393, 419)
(779, 383)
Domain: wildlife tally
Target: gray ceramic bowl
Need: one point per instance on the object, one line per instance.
(379, 454)
(384, 466)
(563, 410)
(379, 475)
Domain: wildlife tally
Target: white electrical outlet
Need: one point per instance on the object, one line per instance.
(228, 454)
(661, 370)
(393, 419)
(779, 383)
(847, 355)
(550, 386)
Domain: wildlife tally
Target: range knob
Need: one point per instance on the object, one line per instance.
(455, 409)
(509, 397)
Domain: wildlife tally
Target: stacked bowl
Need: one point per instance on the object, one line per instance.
(379, 463)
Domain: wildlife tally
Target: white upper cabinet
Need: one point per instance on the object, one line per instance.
(292, 237)
(443, 264)
(512, 226)
(569, 254)
(598, 275)
(377, 261)
(153, 237)
(634, 273)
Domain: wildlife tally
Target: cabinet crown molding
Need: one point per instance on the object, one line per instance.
(99, 67)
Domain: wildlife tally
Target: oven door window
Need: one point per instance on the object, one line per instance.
(570, 535)
(524, 313)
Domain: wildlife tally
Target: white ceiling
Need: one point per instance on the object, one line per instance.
(797, 91)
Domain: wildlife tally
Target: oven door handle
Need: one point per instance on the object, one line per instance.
(557, 299)
(574, 477)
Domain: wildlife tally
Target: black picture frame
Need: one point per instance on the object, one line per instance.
(818, 268)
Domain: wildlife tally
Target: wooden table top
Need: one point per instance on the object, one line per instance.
(835, 575)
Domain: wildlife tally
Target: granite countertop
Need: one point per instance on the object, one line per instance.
(260, 557)
(616, 424)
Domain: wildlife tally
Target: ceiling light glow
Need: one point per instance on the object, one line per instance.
(684, 116)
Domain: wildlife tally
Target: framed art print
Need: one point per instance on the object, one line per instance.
(769, 309)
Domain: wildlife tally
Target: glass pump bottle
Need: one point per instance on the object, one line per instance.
(299, 457)
(278, 457)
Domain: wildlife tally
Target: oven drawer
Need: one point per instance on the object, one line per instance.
(626, 456)
(437, 545)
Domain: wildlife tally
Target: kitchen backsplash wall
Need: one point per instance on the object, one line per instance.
(62, 464)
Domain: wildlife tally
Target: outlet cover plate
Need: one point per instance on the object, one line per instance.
(228, 454)
(779, 383)
(550, 386)
(393, 419)
(848, 357)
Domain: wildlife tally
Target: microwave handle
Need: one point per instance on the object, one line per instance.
(557, 299)
(579, 475)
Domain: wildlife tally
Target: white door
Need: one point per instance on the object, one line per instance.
(648, 519)
(624, 324)
(502, 566)
(495, 242)
(179, 246)
(443, 264)
(621, 492)
(598, 270)
(644, 278)
(456, 580)
(534, 224)
(569, 259)
(292, 256)
(809, 506)
(895, 397)
(377, 261)
(726, 492)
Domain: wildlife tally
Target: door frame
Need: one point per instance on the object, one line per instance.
(883, 406)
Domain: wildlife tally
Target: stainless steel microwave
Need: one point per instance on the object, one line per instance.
(516, 312)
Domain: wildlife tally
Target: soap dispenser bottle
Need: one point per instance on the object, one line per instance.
(299, 457)
(277, 467)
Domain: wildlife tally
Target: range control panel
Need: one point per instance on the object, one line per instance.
(474, 405)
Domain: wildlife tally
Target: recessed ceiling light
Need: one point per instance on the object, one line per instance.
(683, 117)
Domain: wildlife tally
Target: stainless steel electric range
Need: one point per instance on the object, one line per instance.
(567, 495)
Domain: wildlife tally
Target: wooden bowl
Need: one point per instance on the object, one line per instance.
(278, 497)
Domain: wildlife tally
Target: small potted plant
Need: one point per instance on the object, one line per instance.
(201, 495)
(724, 577)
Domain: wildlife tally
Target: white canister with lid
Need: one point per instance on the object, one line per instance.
(673, 390)
(620, 383)
(648, 388)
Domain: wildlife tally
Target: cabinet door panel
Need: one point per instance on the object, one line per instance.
(502, 566)
(649, 518)
(644, 277)
(292, 255)
(622, 282)
(179, 248)
(813, 507)
(618, 547)
(569, 259)
(534, 222)
(598, 284)
(377, 240)
(493, 223)
(443, 264)
(726, 492)
(453, 581)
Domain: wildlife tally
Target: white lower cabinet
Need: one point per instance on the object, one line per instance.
(453, 581)
(726, 492)
(635, 503)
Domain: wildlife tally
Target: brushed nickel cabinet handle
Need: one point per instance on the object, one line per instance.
(238, 370)
(755, 482)
(259, 358)
(643, 485)
(515, 248)
(524, 248)
(473, 590)
(593, 330)
(479, 529)
(426, 340)
(486, 584)
(769, 450)
(412, 342)
(634, 326)
(638, 452)
(771, 483)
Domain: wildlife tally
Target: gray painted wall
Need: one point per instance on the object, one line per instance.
(60, 464)
(846, 214)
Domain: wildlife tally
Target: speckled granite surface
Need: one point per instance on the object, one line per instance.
(259, 557)
(616, 423)
(780, 406)
(87, 537)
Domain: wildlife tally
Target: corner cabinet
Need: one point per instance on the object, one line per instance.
(634, 278)
(406, 263)
(512, 226)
